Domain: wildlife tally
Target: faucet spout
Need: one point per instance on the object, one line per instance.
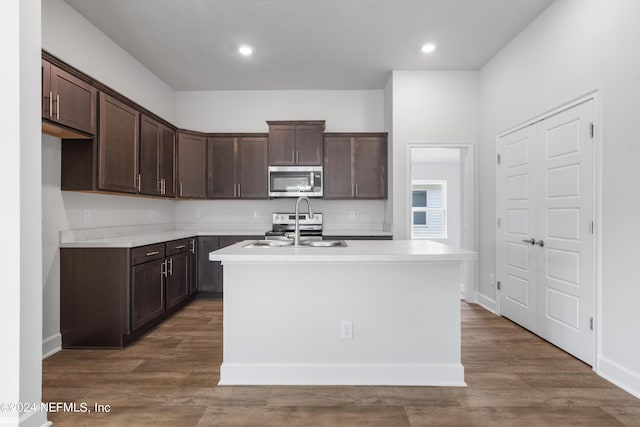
(296, 240)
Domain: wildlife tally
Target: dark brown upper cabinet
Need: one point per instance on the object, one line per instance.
(157, 158)
(355, 166)
(118, 147)
(68, 103)
(296, 142)
(237, 167)
(192, 157)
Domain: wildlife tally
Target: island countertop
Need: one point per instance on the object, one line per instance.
(356, 251)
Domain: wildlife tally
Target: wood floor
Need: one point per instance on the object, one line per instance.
(169, 378)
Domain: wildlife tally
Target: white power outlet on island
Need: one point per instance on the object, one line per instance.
(352, 214)
(346, 331)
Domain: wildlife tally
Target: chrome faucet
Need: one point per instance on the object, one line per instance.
(296, 239)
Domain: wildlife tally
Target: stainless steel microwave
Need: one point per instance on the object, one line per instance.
(295, 181)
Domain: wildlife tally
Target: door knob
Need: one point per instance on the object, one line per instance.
(531, 241)
(540, 242)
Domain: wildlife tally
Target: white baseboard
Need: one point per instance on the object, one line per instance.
(617, 374)
(342, 374)
(487, 303)
(51, 345)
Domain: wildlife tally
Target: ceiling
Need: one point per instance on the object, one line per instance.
(306, 44)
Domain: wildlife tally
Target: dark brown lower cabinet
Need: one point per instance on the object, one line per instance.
(111, 296)
(177, 280)
(193, 265)
(210, 283)
(147, 292)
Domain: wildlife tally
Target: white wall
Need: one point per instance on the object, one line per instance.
(69, 36)
(450, 172)
(20, 253)
(574, 47)
(429, 107)
(248, 111)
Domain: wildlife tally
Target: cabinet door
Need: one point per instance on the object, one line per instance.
(118, 146)
(167, 161)
(221, 171)
(193, 265)
(208, 271)
(282, 139)
(338, 168)
(177, 279)
(308, 144)
(73, 101)
(147, 292)
(149, 154)
(251, 169)
(47, 95)
(192, 157)
(370, 167)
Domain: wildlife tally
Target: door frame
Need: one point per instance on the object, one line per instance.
(595, 96)
(468, 208)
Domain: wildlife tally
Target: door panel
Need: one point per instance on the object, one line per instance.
(252, 168)
(221, 170)
(518, 260)
(565, 279)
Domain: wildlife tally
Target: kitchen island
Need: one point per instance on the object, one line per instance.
(371, 313)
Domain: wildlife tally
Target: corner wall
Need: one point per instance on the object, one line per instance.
(573, 48)
(428, 107)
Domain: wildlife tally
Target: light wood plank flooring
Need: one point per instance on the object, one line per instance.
(169, 378)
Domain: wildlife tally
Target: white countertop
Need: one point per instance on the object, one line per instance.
(357, 250)
(134, 240)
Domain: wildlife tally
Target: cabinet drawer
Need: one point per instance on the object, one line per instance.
(147, 253)
(177, 246)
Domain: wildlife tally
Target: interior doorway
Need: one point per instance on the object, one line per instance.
(440, 203)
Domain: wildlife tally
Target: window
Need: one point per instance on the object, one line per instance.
(429, 210)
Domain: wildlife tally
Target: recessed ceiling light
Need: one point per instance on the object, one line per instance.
(245, 50)
(428, 48)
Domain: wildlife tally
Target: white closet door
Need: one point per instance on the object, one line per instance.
(564, 214)
(517, 259)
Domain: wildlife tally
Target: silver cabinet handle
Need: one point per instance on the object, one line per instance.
(153, 253)
(57, 106)
(163, 268)
(181, 246)
(297, 156)
(239, 192)
(170, 266)
(192, 246)
(540, 243)
(531, 241)
(50, 104)
(180, 188)
(159, 186)
(164, 186)
(356, 190)
(139, 186)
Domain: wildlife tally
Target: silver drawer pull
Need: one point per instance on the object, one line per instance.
(153, 253)
(181, 247)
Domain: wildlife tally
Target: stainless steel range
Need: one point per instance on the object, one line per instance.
(283, 226)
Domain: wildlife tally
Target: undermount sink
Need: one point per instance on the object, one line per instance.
(304, 244)
(269, 243)
(326, 244)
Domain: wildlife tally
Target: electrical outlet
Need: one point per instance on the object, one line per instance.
(151, 213)
(196, 213)
(256, 214)
(352, 214)
(86, 215)
(346, 332)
